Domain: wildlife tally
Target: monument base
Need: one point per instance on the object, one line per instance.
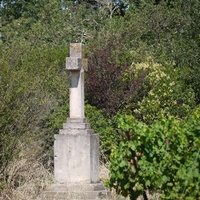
(76, 164)
(76, 153)
(75, 191)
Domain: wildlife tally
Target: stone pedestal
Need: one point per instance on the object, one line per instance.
(76, 153)
(76, 163)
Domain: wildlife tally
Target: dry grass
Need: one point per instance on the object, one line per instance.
(25, 176)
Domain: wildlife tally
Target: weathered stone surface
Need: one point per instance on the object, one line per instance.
(94, 195)
(76, 158)
(76, 120)
(76, 98)
(73, 63)
(75, 131)
(76, 187)
(76, 64)
(77, 50)
(76, 126)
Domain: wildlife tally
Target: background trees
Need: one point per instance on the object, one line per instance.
(143, 61)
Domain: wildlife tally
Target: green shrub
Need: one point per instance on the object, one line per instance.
(32, 89)
(163, 157)
(102, 126)
(164, 92)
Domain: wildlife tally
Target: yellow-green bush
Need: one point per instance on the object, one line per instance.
(163, 91)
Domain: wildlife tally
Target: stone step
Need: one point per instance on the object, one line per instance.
(76, 120)
(72, 195)
(79, 191)
(76, 131)
(78, 126)
(77, 187)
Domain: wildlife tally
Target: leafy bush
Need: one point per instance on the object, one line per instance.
(103, 127)
(105, 87)
(163, 157)
(163, 91)
(32, 87)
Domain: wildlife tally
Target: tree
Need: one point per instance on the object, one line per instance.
(105, 87)
(14, 9)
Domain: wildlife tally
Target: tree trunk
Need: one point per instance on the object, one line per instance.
(145, 195)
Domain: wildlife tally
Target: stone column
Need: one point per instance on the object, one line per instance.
(76, 64)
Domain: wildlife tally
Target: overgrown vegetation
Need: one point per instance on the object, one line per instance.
(162, 157)
(143, 62)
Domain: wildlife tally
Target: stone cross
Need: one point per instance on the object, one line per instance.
(76, 147)
(76, 64)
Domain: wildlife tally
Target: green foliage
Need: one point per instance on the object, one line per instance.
(169, 32)
(163, 157)
(163, 91)
(52, 24)
(159, 31)
(32, 87)
(103, 127)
